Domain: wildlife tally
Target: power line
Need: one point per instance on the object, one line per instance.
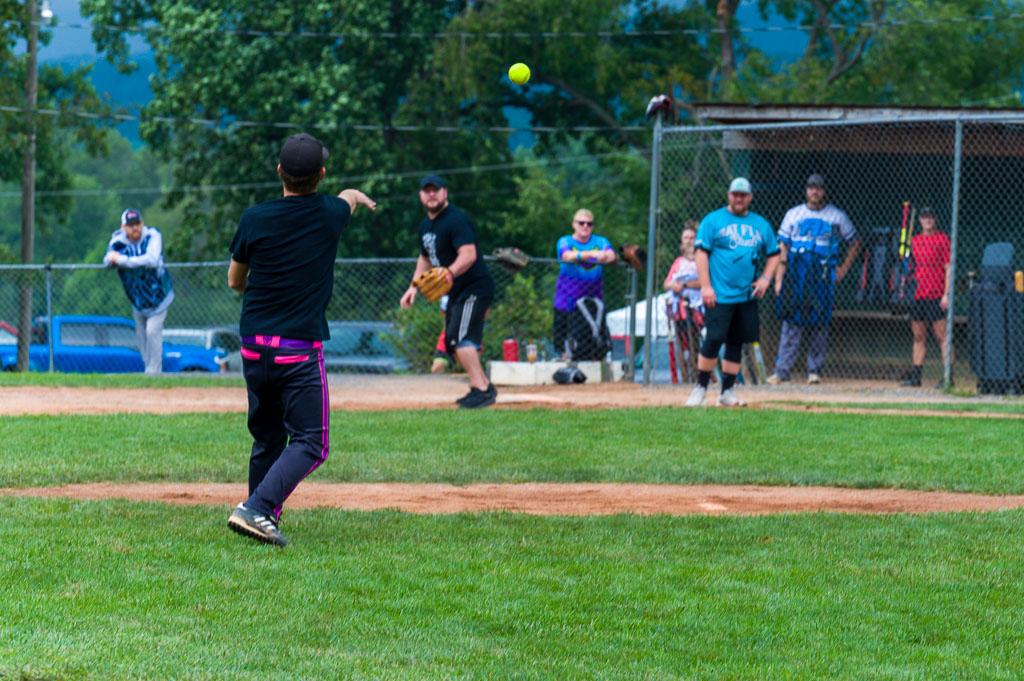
(391, 35)
(316, 126)
(464, 170)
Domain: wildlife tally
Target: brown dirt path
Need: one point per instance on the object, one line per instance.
(439, 392)
(554, 498)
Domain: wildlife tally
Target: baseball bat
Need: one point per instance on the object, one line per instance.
(672, 352)
(910, 236)
(903, 230)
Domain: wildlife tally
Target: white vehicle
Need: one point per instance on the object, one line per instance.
(223, 339)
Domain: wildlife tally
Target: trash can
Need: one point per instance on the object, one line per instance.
(995, 324)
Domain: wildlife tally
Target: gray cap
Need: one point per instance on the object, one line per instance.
(739, 185)
(815, 180)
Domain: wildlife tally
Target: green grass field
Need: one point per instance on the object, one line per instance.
(129, 590)
(1009, 406)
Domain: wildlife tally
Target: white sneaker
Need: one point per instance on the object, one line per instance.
(729, 399)
(697, 397)
(774, 379)
(813, 378)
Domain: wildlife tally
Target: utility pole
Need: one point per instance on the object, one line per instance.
(28, 186)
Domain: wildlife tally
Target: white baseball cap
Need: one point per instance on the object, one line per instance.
(740, 185)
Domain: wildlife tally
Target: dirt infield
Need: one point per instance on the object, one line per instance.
(439, 392)
(555, 498)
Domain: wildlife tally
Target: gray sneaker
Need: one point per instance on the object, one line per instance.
(256, 526)
(729, 399)
(697, 397)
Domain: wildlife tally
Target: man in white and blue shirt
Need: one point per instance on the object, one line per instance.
(736, 257)
(805, 285)
(137, 252)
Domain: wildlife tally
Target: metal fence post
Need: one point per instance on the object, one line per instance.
(49, 312)
(652, 226)
(947, 364)
(631, 337)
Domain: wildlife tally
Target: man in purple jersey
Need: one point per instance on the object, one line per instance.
(282, 262)
(580, 275)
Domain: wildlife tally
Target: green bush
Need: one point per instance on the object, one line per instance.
(522, 313)
(416, 332)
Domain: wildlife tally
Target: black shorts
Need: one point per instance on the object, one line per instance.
(926, 311)
(464, 322)
(732, 323)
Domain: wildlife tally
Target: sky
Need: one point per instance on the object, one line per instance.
(74, 42)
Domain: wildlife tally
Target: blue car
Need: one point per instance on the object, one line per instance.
(99, 344)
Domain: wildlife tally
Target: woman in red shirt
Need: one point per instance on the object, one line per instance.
(931, 297)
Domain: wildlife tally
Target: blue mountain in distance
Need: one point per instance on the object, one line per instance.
(130, 91)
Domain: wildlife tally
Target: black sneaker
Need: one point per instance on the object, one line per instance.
(912, 379)
(256, 525)
(471, 393)
(479, 398)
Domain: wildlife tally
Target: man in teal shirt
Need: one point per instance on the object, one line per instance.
(732, 246)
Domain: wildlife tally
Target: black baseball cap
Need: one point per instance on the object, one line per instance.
(434, 180)
(131, 217)
(815, 180)
(302, 155)
(927, 210)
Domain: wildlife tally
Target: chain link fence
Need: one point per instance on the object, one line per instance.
(882, 174)
(370, 333)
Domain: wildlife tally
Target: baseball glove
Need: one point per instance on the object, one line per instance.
(634, 255)
(434, 283)
(511, 258)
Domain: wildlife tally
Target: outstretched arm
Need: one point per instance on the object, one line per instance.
(354, 197)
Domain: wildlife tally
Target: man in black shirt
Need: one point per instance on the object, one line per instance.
(282, 262)
(447, 239)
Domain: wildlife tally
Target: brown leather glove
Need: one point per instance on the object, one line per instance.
(434, 283)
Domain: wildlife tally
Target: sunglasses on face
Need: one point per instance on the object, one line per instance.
(584, 222)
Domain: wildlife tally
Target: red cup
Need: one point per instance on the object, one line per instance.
(510, 350)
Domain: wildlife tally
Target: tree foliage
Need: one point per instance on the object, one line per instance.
(313, 82)
(906, 52)
(354, 72)
(56, 136)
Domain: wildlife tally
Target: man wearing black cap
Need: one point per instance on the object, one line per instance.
(136, 250)
(448, 239)
(806, 279)
(282, 262)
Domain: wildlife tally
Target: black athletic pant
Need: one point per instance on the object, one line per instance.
(289, 418)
